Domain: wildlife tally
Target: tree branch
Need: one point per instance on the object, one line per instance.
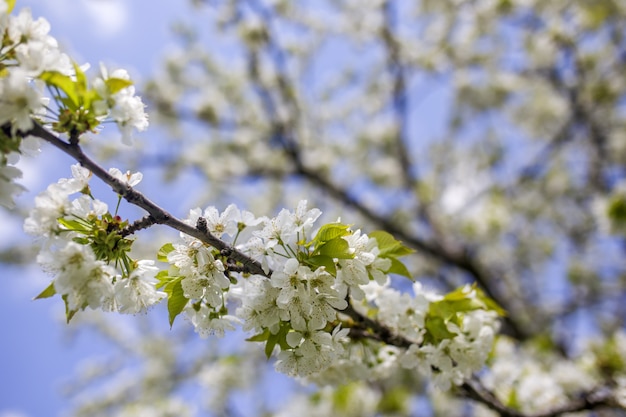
(399, 95)
(364, 328)
(367, 328)
(460, 258)
(156, 213)
(596, 398)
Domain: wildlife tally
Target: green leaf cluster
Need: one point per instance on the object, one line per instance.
(78, 101)
(327, 245)
(104, 237)
(452, 308)
(392, 249)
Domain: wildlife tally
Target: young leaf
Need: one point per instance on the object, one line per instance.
(399, 268)
(74, 225)
(330, 231)
(279, 338)
(489, 303)
(47, 293)
(335, 248)
(81, 82)
(176, 300)
(325, 261)
(389, 246)
(437, 329)
(164, 251)
(282, 336)
(261, 337)
(269, 346)
(114, 85)
(164, 278)
(68, 313)
(64, 83)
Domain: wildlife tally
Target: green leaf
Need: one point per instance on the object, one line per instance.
(279, 338)
(437, 330)
(88, 97)
(335, 248)
(68, 102)
(443, 309)
(116, 84)
(452, 307)
(164, 251)
(11, 4)
(176, 300)
(261, 337)
(330, 231)
(489, 303)
(68, 313)
(164, 278)
(47, 293)
(269, 346)
(64, 83)
(282, 336)
(389, 247)
(325, 261)
(81, 81)
(74, 225)
(399, 268)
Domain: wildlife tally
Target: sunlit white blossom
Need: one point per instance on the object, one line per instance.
(137, 292)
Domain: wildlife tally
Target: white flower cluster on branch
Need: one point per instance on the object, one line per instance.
(35, 74)
(319, 297)
(81, 246)
(303, 304)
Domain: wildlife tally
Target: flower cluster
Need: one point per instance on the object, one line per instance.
(299, 306)
(30, 60)
(82, 246)
(531, 379)
(123, 106)
(449, 337)
(27, 52)
(310, 303)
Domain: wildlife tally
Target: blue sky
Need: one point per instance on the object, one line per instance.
(36, 355)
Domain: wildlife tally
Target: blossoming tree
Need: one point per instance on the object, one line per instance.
(450, 269)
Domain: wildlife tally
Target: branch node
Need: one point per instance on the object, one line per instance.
(201, 225)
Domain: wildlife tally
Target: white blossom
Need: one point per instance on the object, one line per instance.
(129, 178)
(83, 279)
(19, 101)
(128, 112)
(203, 274)
(137, 292)
(206, 322)
(8, 188)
